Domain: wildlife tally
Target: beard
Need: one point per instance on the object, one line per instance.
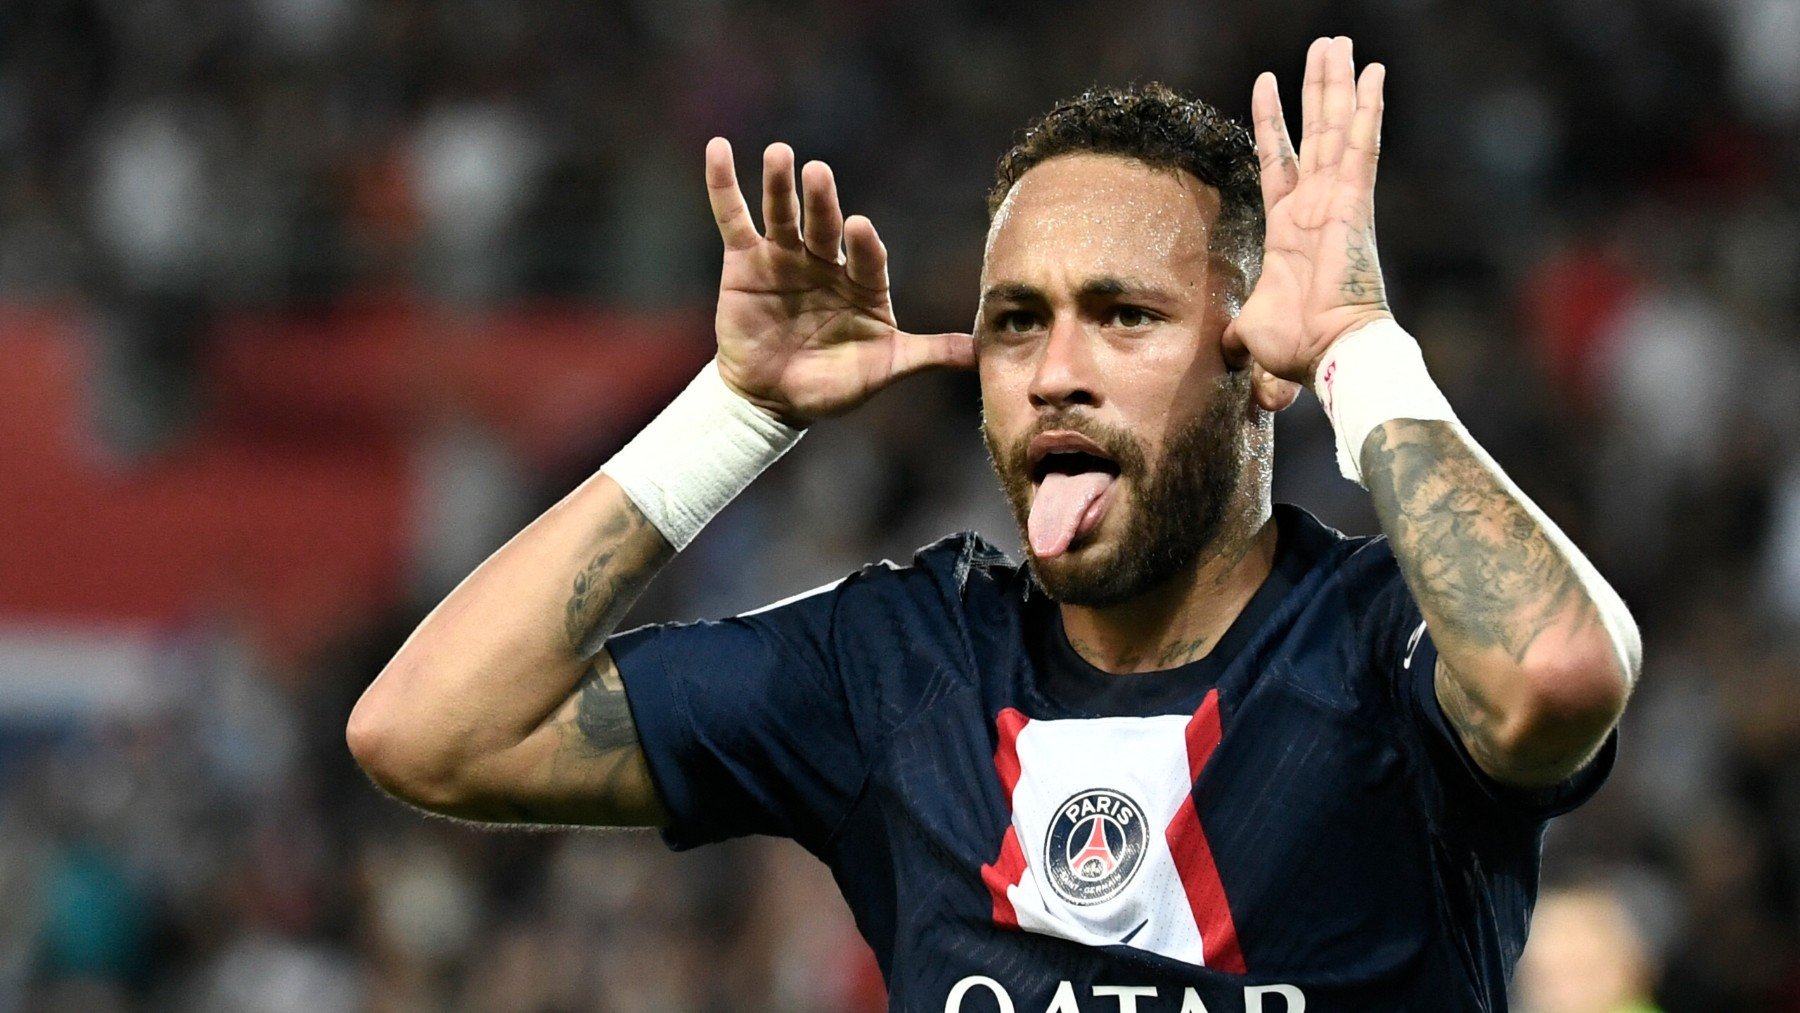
(1177, 504)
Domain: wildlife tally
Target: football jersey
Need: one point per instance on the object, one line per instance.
(1287, 824)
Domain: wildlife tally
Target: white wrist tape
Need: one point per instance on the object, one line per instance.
(1369, 376)
(697, 455)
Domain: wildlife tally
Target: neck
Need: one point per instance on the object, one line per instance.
(1181, 619)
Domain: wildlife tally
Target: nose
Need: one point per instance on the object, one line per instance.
(1065, 374)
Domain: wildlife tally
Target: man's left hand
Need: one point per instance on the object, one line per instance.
(1320, 276)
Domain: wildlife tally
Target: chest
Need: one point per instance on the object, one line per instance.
(1272, 834)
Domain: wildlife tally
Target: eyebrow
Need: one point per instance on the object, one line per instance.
(1094, 289)
(1012, 292)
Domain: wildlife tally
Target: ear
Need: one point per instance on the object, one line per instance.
(1272, 393)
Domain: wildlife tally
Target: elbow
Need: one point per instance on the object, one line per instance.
(400, 762)
(1571, 703)
(1588, 682)
(373, 743)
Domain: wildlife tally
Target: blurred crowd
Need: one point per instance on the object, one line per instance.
(1589, 213)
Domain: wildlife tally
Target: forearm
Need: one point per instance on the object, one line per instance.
(1536, 650)
(1536, 653)
(502, 657)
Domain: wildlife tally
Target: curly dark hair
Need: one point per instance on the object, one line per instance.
(1164, 129)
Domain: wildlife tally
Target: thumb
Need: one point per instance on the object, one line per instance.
(916, 352)
(1233, 346)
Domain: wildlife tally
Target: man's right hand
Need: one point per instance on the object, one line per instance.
(806, 329)
(504, 705)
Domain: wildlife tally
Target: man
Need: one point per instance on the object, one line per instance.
(1588, 954)
(1198, 753)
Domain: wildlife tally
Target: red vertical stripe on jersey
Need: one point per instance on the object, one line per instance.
(1193, 854)
(1003, 875)
(1006, 754)
(1009, 867)
(1203, 734)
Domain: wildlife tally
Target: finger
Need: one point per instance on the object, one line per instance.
(915, 352)
(1233, 345)
(1312, 104)
(1272, 393)
(1339, 102)
(781, 205)
(866, 260)
(728, 207)
(824, 219)
(1274, 149)
(1364, 147)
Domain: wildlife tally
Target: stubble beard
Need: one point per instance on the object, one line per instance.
(1177, 508)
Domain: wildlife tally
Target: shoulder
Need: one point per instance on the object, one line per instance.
(1323, 556)
(952, 569)
(1349, 611)
(968, 563)
(943, 570)
(889, 609)
(1361, 568)
(903, 634)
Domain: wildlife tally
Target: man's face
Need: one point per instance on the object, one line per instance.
(1118, 432)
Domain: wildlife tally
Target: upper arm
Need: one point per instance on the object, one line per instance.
(749, 725)
(583, 766)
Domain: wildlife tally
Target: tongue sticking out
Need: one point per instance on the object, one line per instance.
(1057, 511)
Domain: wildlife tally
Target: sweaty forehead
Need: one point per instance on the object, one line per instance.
(1087, 215)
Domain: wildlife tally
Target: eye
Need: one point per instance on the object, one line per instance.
(1015, 322)
(1131, 317)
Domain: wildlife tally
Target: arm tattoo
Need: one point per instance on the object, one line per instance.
(1471, 715)
(597, 773)
(1484, 571)
(611, 582)
(1477, 721)
(605, 588)
(601, 714)
(598, 768)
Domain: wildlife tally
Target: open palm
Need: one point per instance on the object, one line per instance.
(805, 326)
(1320, 276)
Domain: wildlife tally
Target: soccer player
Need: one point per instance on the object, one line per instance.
(1197, 753)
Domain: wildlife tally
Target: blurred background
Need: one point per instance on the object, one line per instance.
(305, 305)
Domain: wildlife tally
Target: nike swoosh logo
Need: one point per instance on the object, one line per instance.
(1412, 646)
(1133, 932)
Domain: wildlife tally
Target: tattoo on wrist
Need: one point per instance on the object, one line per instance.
(1362, 273)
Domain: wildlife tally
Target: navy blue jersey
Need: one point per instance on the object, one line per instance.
(1286, 824)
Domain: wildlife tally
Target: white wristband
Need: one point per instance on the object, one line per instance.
(697, 455)
(1369, 376)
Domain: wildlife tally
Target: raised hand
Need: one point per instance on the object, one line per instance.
(806, 329)
(1320, 276)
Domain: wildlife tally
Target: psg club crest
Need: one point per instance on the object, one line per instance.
(1094, 847)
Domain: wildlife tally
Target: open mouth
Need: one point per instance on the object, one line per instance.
(1071, 462)
(1065, 452)
(1073, 477)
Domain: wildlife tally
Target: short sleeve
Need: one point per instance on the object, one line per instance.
(1407, 655)
(746, 723)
